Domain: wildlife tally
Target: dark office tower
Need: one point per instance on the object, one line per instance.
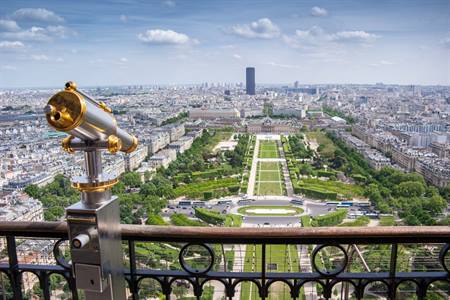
(250, 81)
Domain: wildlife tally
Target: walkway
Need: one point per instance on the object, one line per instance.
(287, 178)
(309, 288)
(252, 177)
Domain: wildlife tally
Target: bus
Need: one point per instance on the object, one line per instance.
(297, 202)
(349, 203)
(224, 202)
(184, 204)
(244, 202)
(198, 204)
(363, 204)
(332, 203)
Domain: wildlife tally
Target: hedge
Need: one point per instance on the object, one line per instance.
(306, 221)
(315, 193)
(330, 219)
(155, 220)
(208, 216)
(182, 220)
(323, 173)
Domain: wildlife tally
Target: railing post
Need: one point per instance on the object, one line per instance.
(392, 271)
(15, 275)
(263, 272)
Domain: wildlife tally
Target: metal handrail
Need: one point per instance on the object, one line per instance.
(369, 235)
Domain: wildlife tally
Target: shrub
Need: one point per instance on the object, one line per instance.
(330, 219)
(155, 220)
(210, 217)
(315, 193)
(182, 220)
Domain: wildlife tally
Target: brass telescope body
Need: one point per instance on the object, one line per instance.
(75, 113)
(91, 127)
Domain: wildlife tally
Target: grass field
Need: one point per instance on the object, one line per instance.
(279, 258)
(268, 149)
(269, 180)
(327, 146)
(247, 210)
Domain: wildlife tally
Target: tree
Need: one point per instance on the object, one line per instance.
(306, 169)
(118, 188)
(131, 179)
(435, 204)
(410, 189)
(148, 189)
(33, 191)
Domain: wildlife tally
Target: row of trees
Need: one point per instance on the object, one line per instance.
(55, 197)
(391, 190)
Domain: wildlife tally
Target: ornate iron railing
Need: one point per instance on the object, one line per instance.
(242, 263)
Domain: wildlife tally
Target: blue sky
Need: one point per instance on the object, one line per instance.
(44, 43)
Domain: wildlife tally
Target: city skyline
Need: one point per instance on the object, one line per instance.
(175, 42)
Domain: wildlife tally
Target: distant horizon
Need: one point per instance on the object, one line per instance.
(120, 42)
(278, 85)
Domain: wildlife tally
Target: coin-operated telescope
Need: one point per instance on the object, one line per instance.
(94, 222)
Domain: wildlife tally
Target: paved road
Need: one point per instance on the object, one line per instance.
(309, 288)
(287, 178)
(252, 177)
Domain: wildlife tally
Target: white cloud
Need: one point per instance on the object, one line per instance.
(169, 3)
(123, 18)
(237, 56)
(285, 66)
(9, 25)
(37, 14)
(354, 36)
(11, 45)
(316, 36)
(261, 29)
(32, 34)
(8, 68)
(41, 34)
(40, 57)
(59, 31)
(318, 12)
(164, 37)
(123, 59)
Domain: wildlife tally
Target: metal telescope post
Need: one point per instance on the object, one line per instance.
(94, 222)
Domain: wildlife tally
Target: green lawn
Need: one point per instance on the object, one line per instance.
(268, 149)
(279, 258)
(269, 176)
(245, 210)
(269, 180)
(268, 166)
(270, 189)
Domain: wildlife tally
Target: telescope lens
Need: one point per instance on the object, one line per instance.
(56, 116)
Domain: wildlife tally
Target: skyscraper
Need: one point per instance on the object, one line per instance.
(250, 80)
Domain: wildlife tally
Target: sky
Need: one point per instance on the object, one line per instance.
(121, 42)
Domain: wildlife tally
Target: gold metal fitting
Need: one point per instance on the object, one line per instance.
(105, 107)
(66, 110)
(94, 186)
(133, 145)
(114, 144)
(71, 86)
(66, 144)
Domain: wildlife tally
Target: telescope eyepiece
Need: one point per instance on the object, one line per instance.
(71, 86)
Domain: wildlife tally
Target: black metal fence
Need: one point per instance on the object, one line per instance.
(239, 263)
